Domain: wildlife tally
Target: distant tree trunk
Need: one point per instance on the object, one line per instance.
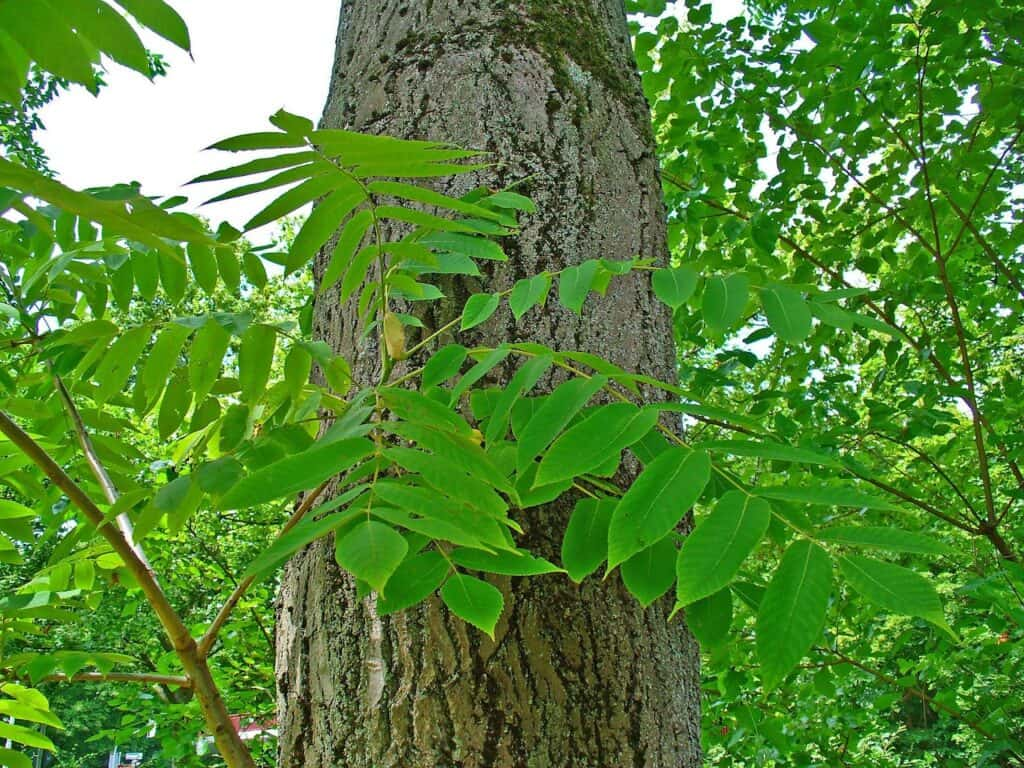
(577, 676)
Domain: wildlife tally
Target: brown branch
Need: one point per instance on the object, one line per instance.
(989, 251)
(218, 720)
(210, 636)
(142, 678)
(935, 466)
(96, 466)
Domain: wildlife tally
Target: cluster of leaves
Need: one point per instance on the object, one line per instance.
(868, 153)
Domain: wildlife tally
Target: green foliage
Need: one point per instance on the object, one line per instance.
(838, 361)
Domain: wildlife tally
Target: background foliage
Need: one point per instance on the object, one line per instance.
(842, 184)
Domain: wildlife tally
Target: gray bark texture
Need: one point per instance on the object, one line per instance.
(577, 675)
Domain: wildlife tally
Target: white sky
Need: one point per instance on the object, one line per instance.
(251, 58)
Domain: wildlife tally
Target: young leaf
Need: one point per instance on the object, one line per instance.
(724, 300)
(575, 283)
(254, 360)
(473, 601)
(585, 544)
(159, 17)
(523, 381)
(649, 573)
(528, 293)
(656, 502)
(832, 495)
(443, 365)
(674, 286)
(710, 618)
(791, 617)
(298, 472)
(206, 357)
(554, 415)
(594, 441)
(414, 580)
(479, 308)
(371, 551)
(506, 563)
(119, 361)
(714, 552)
(894, 588)
(884, 538)
(787, 313)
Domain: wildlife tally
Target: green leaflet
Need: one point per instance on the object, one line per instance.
(307, 531)
(173, 276)
(725, 299)
(425, 511)
(594, 441)
(827, 495)
(478, 309)
(457, 449)
(109, 31)
(710, 618)
(585, 544)
(649, 573)
(787, 312)
(885, 538)
(554, 415)
(419, 409)
(656, 502)
(255, 358)
(118, 362)
(443, 365)
(298, 472)
(528, 293)
(175, 404)
(371, 551)
(506, 563)
(414, 580)
(46, 36)
(471, 246)
(478, 371)
(229, 268)
(159, 17)
(770, 450)
(791, 616)
(473, 601)
(575, 283)
(204, 266)
(715, 550)
(525, 378)
(430, 197)
(296, 197)
(206, 356)
(894, 588)
(298, 364)
(448, 478)
(674, 286)
(323, 222)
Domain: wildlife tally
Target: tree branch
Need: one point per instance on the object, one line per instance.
(98, 470)
(218, 720)
(210, 636)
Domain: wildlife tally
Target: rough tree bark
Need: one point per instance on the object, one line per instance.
(577, 676)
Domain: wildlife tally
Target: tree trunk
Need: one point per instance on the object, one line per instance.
(577, 676)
